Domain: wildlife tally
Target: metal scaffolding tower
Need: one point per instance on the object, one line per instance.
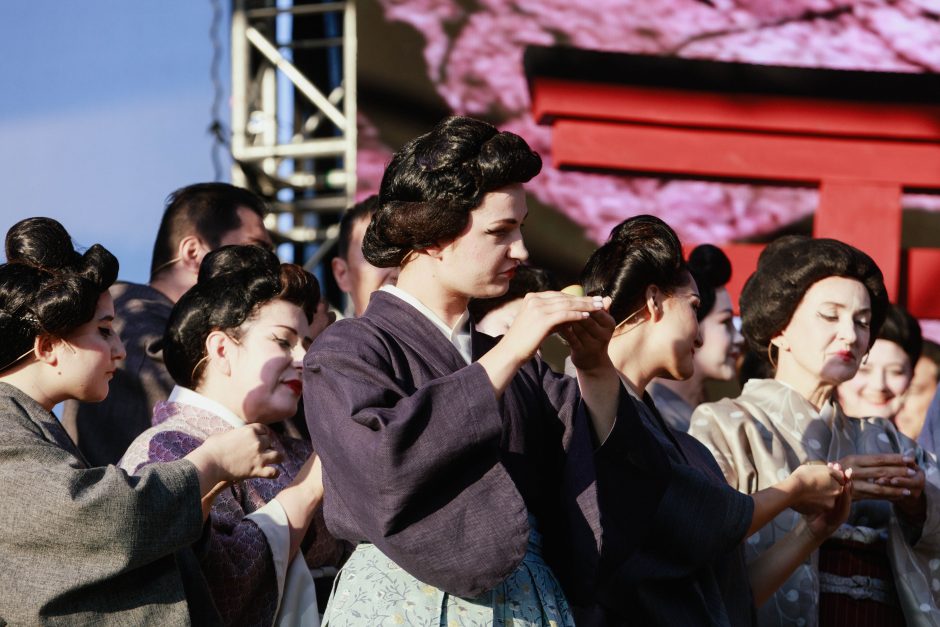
(294, 115)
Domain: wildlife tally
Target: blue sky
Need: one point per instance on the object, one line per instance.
(105, 110)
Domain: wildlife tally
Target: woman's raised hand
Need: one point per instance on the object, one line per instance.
(816, 487)
(582, 319)
(544, 313)
(588, 338)
(239, 454)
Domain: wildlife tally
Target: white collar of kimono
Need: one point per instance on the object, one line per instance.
(459, 336)
(191, 397)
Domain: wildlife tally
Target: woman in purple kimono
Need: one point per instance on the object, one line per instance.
(473, 478)
(85, 545)
(690, 570)
(234, 345)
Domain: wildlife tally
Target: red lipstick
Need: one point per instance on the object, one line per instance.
(845, 356)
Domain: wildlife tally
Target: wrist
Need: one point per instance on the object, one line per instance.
(209, 472)
(793, 486)
(913, 509)
(508, 355)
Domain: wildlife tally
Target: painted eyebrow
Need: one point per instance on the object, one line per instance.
(286, 328)
(510, 220)
(841, 306)
(108, 318)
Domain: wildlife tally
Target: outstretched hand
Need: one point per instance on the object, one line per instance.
(890, 477)
(823, 524)
(818, 487)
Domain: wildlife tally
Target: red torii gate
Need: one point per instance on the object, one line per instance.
(861, 137)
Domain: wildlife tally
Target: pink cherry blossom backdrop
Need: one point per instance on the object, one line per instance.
(474, 60)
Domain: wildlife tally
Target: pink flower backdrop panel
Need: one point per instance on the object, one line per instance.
(473, 56)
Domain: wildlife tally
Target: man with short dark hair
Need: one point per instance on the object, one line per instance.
(198, 219)
(354, 275)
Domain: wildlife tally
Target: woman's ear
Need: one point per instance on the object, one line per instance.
(654, 302)
(218, 352)
(434, 251)
(46, 348)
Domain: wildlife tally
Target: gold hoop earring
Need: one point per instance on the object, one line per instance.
(770, 356)
(192, 376)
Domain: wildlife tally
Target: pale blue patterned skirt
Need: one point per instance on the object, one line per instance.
(372, 590)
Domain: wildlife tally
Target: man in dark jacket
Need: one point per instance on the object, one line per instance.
(198, 219)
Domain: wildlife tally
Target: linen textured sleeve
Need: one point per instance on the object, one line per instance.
(411, 463)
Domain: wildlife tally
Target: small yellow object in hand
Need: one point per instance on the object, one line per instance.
(573, 290)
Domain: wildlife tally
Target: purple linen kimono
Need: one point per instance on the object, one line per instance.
(690, 569)
(236, 561)
(422, 461)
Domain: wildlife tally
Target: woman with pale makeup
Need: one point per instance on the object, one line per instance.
(234, 345)
(813, 309)
(880, 386)
(716, 358)
(88, 545)
(475, 481)
(691, 565)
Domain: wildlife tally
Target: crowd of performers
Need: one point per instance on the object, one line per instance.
(458, 478)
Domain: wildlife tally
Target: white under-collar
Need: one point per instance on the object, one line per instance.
(191, 397)
(459, 336)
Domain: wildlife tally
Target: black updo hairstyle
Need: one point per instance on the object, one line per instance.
(711, 269)
(46, 286)
(641, 251)
(903, 329)
(234, 283)
(786, 270)
(434, 181)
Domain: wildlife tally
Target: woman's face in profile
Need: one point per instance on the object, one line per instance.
(721, 341)
(680, 336)
(827, 336)
(266, 364)
(481, 261)
(88, 356)
(881, 384)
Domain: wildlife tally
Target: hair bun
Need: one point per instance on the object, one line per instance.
(99, 267)
(235, 259)
(710, 262)
(41, 242)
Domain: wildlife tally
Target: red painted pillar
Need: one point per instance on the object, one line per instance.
(866, 215)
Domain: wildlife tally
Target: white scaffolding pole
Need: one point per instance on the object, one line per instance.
(313, 154)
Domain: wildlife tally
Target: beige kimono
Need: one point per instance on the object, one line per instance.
(760, 437)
